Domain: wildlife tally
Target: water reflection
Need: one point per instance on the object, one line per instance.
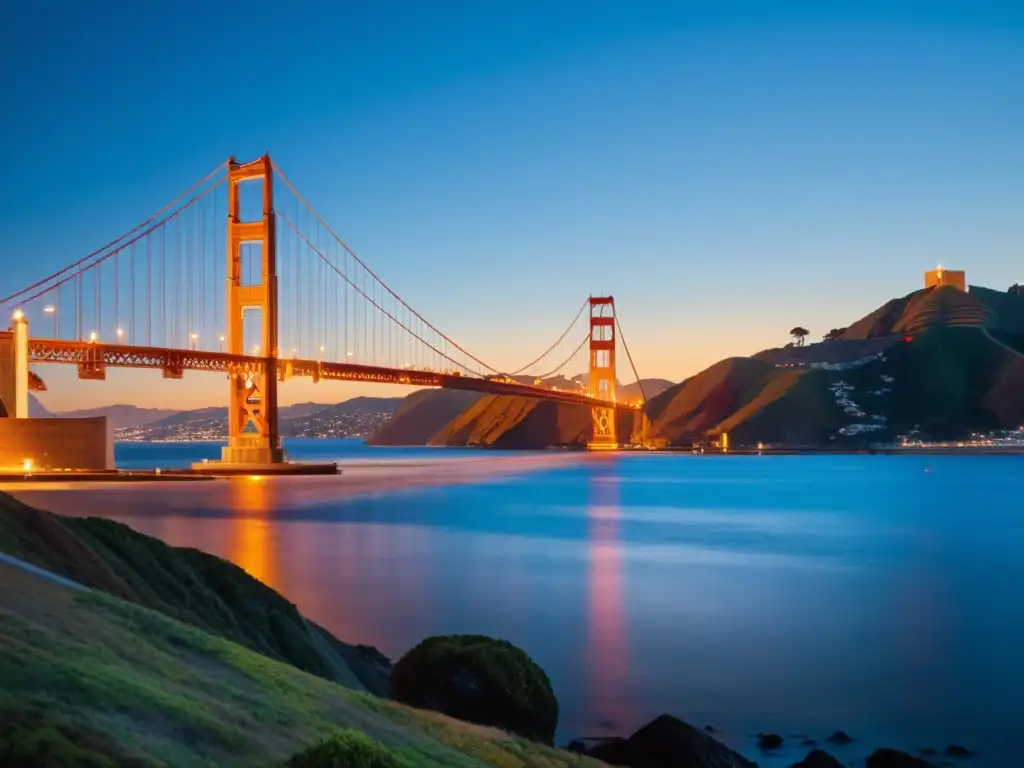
(250, 547)
(607, 668)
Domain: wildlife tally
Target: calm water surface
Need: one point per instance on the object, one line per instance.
(880, 595)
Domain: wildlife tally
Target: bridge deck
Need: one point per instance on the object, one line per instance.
(92, 359)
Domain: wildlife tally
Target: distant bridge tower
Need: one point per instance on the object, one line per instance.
(602, 370)
(253, 436)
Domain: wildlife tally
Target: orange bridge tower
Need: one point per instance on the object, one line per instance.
(253, 436)
(602, 370)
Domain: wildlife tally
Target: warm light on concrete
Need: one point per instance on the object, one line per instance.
(940, 277)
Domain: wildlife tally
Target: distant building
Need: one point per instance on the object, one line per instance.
(940, 277)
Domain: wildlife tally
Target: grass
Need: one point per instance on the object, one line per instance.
(199, 589)
(131, 684)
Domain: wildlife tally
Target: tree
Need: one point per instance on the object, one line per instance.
(799, 334)
(835, 333)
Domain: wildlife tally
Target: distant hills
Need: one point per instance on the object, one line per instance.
(448, 417)
(936, 363)
(358, 417)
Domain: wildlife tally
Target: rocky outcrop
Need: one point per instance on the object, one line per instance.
(818, 759)
(667, 742)
(893, 758)
(479, 680)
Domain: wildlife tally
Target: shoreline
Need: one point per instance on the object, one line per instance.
(357, 479)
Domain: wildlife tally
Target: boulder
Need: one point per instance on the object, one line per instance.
(893, 758)
(480, 680)
(769, 741)
(818, 759)
(840, 738)
(667, 742)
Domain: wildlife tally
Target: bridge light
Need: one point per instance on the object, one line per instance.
(49, 310)
(222, 339)
(248, 383)
(18, 315)
(120, 333)
(93, 337)
(194, 336)
(27, 464)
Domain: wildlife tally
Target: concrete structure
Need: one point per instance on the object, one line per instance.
(941, 277)
(14, 380)
(27, 444)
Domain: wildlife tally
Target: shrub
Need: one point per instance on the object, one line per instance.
(346, 749)
(479, 680)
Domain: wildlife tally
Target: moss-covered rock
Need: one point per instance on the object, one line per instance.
(480, 680)
(346, 749)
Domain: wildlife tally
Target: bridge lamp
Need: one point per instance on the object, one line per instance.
(348, 354)
(120, 333)
(93, 337)
(50, 309)
(248, 383)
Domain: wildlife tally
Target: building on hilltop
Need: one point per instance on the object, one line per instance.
(940, 277)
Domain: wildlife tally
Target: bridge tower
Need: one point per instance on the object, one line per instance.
(602, 370)
(253, 436)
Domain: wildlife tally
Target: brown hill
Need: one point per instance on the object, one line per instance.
(447, 417)
(422, 415)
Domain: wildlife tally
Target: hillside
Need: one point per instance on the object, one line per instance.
(199, 589)
(946, 382)
(358, 417)
(120, 416)
(443, 417)
(91, 680)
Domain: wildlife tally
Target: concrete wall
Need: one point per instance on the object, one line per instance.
(57, 443)
(7, 393)
(937, 277)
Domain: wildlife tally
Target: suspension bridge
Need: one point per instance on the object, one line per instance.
(239, 275)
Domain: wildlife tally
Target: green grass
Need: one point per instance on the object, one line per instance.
(199, 589)
(85, 671)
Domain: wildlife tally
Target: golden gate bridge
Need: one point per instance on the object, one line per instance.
(273, 294)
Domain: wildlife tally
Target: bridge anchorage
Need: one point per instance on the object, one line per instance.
(275, 294)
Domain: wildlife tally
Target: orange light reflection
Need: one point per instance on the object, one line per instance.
(252, 500)
(607, 654)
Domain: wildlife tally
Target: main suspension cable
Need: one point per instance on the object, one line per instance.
(559, 341)
(567, 360)
(114, 242)
(625, 346)
(382, 310)
(372, 274)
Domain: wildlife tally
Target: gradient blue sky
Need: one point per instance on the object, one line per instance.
(727, 170)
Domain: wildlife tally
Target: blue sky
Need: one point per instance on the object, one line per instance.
(726, 170)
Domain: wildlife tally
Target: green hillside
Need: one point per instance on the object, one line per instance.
(90, 680)
(947, 382)
(192, 586)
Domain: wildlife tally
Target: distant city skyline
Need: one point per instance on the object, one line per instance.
(727, 170)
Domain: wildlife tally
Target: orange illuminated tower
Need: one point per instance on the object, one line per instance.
(602, 370)
(253, 436)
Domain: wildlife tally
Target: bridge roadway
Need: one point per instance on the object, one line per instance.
(92, 359)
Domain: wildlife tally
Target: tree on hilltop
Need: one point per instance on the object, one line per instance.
(799, 334)
(835, 333)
